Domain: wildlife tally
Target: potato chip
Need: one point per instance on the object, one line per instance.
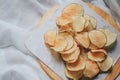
(83, 39)
(83, 54)
(86, 25)
(78, 24)
(106, 64)
(90, 23)
(91, 69)
(64, 22)
(70, 41)
(75, 75)
(93, 21)
(74, 47)
(92, 47)
(87, 20)
(97, 38)
(96, 56)
(100, 50)
(72, 57)
(87, 17)
(76, 66)
(73, 9)
(50, 37)
(111, 37)
(89, 26)
(60, 43)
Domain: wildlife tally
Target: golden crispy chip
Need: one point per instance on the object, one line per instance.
(50, 37)
(87, 20)
(86, 25)
(111, 37)
(60, 43)
(64, 22)
(72, 57)
(73, 9)
(75, 75)
(106, 64)
(78, 24)
(70, 41)
(91, 69)
(96, 56)
(69, 38)
(93, 47)
(83, 54)
(100, 50)
(90, 23)
(97, 38)
(87, 17)
(74, 47)
(93, 21)
(83, 39)
(89, 26)
(76, 66)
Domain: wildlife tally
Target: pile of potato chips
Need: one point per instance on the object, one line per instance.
(80, 44)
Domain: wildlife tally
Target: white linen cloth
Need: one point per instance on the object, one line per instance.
(17, 20)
